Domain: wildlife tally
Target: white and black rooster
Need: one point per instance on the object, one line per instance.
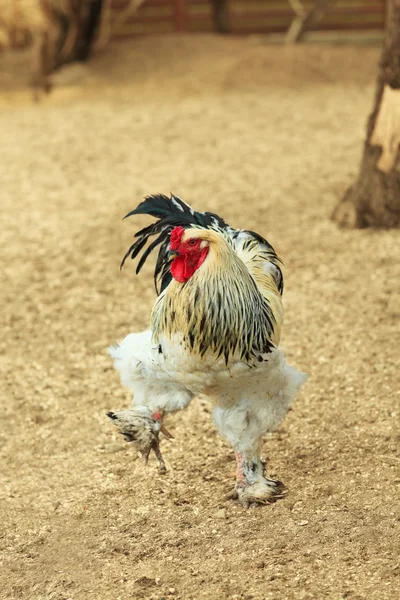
(215, 330)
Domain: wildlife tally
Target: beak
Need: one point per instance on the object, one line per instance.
(172, 254)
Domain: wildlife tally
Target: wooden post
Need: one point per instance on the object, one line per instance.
(181, 15)
(374, 198)
(305, 20)
(220, 10)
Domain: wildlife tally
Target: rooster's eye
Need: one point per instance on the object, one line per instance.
(192, 242)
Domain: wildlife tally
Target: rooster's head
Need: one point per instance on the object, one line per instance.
(188, 250)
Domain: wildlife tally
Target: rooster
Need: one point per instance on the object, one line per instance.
(215, 330)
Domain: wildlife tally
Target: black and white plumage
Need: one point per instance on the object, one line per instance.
(215, 330)
(173, 212)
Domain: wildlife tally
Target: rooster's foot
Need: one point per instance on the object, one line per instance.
(142, 427)
(252, 485)
(262, 491)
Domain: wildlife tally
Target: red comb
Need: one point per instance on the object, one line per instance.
(175, 239)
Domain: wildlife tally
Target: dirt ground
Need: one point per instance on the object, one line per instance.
(269, 137)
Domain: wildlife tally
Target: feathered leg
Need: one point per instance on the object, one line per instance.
(143, 424)
(252, 483)
(142, 427)
(243, 426)
(140, 364)
(243, 418)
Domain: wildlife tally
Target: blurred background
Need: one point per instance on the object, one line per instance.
(62, 31)
(277, 115)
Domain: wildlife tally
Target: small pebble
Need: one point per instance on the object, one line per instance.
(221, 513)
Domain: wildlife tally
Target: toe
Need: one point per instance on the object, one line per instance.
(261, 492)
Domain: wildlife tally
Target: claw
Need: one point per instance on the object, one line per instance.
(233, 495)
(142, 428)
(264, 491)
(167, 434)
(145, 456)
(161, 464)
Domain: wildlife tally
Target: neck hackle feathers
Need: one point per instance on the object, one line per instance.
(226, 307)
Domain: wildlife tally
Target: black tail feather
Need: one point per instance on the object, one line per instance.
(148, 250)
(160, 206)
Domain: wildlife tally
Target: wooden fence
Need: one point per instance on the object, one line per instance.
(245, 16)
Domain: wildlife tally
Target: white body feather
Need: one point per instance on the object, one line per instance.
(170, 378)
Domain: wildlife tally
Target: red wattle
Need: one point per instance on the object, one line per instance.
(183, 267)
(178, 269)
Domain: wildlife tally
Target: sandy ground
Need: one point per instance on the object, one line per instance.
(270, 138)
